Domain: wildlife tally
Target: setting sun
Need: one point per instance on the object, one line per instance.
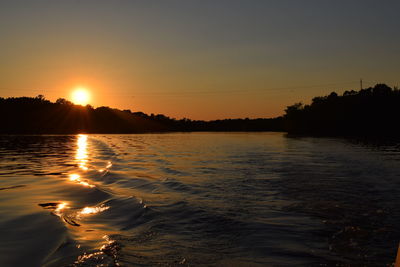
(80, 96)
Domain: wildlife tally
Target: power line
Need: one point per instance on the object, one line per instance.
(245, 90)
(206, 92)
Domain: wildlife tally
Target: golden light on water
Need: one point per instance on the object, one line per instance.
(60, 207)
(81, 96)
(77, 179)
(74, 177)
(109, 165)
(81, 153)
(81, 158)
(93, 210)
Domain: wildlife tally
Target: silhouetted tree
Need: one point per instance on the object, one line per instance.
(25, 115)
(63, 101)
(372, 111)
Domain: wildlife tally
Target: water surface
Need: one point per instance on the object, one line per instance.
(219, 199)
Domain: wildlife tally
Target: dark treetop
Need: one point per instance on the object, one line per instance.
(371, 112)
(27, 115)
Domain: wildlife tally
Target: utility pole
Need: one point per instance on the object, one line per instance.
(361, 84)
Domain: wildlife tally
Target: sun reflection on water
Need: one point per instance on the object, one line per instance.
(82, 159)
(108, 166)
(85, 216)
(93, 210)
(108, 251)
(81, 152)
(77, 179)
(60, 207)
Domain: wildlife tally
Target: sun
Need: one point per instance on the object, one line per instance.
(80, 96)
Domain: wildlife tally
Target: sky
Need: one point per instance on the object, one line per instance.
(197, 59)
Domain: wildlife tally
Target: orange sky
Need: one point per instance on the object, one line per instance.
(199, 60)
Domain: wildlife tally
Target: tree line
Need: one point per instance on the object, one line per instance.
(37, 115)
(370, 112)
(373, 111)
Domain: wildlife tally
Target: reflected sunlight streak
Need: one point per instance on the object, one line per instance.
(60, 207)
(93, 210)
(77, 178)
(82, 159)
(81, 152)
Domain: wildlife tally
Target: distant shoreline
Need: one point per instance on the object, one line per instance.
(369, 113)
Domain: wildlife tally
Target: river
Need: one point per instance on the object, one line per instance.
(197, 199)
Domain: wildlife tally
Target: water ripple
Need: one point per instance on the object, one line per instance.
(200, 199)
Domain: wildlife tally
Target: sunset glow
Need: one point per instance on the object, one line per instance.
(81, 96)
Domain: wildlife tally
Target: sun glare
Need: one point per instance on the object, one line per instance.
(81, 96)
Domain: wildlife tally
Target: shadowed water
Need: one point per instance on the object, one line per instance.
(220, 199)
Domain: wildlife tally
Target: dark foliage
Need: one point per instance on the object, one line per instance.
(26, 115)
(371, 112)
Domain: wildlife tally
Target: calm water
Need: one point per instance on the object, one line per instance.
(220, 199)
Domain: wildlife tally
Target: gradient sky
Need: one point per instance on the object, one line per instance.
(197, 59)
